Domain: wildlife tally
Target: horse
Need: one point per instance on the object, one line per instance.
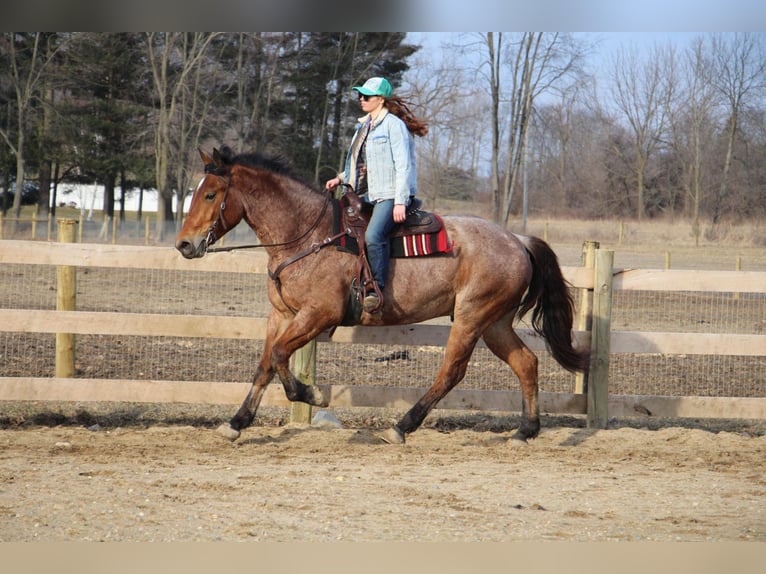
(490, 278)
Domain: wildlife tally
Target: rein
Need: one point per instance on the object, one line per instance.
(254, 245)
(274, 275)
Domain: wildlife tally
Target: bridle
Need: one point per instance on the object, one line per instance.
(210, 238)
(273, 275)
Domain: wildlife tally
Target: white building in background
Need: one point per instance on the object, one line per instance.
(89, 199)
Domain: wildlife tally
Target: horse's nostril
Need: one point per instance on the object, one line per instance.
(185, 248)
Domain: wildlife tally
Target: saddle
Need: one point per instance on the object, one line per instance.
(357, 215)
(422, 233)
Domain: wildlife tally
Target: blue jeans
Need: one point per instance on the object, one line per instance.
(376, 238)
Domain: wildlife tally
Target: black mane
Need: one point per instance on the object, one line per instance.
(257, 160)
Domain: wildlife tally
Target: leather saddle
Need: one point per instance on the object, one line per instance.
(357, 215)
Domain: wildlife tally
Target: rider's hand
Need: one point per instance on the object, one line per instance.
(400, 213)
(332, 183)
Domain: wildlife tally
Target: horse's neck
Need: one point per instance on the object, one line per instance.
(283, 210)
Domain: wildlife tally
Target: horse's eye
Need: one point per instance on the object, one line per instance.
(210, 196)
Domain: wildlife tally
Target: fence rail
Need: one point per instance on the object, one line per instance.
(596, 403)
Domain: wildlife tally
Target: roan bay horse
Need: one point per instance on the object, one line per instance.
(490, 278)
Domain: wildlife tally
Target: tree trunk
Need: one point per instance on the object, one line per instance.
(109, 195)
(723, 190)
(19, 172)
(44, 200)
(640, 165)
(494, 62)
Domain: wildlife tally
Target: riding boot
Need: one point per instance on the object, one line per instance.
(372, 302)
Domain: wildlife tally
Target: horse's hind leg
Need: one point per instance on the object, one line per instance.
(506, 344)
(459, 348)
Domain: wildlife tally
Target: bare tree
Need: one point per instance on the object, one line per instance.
(560, 142)
(739, 74)
(693, 126)
(255, 73)
(494, 50)
(540, 62)
(536, 62)
(642, 90)
(193, 112)
(442, 95)
(347, 48)
(27, 72)
(174, 58)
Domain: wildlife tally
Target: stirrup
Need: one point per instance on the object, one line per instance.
(372, 302)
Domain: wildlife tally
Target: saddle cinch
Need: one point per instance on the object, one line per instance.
(422, 233)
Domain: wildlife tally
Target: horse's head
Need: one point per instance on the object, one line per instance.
(214, 210)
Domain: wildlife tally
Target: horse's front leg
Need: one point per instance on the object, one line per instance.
(299, 333)
(276, 324)
(296, 391)
(246, 413)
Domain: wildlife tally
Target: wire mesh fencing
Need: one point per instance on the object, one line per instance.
(223, 295)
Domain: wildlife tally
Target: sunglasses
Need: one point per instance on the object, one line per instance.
(365, 97)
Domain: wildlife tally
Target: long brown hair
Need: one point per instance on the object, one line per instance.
(400, 109)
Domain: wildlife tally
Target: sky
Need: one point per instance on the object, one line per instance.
(590, 15)
(613, 41)
(606, 45)
(392, 15)
(608, 42)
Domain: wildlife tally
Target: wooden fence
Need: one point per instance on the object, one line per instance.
(591, 396)
(108, 228)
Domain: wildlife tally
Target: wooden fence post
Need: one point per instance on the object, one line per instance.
(66, 291)
(305, 368)
(584, 313)
(598, 375)
(738, 267)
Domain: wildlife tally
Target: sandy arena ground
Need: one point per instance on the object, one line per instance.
(450, 482)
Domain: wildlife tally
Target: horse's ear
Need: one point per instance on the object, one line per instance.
(217, 158)
(206, 159)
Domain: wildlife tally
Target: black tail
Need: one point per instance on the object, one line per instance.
(552, 306)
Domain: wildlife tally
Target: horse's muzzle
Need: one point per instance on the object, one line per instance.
(191, 250)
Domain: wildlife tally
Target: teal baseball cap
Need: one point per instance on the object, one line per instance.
(375, 87)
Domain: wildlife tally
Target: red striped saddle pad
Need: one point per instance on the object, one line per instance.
(422, 234)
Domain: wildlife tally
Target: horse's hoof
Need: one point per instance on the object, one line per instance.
(226, 431)
(321, 396)
(526, 431)
(392, 436)
(326, 395)
(518, 441)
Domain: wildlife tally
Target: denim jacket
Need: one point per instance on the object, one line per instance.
(390, 159)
